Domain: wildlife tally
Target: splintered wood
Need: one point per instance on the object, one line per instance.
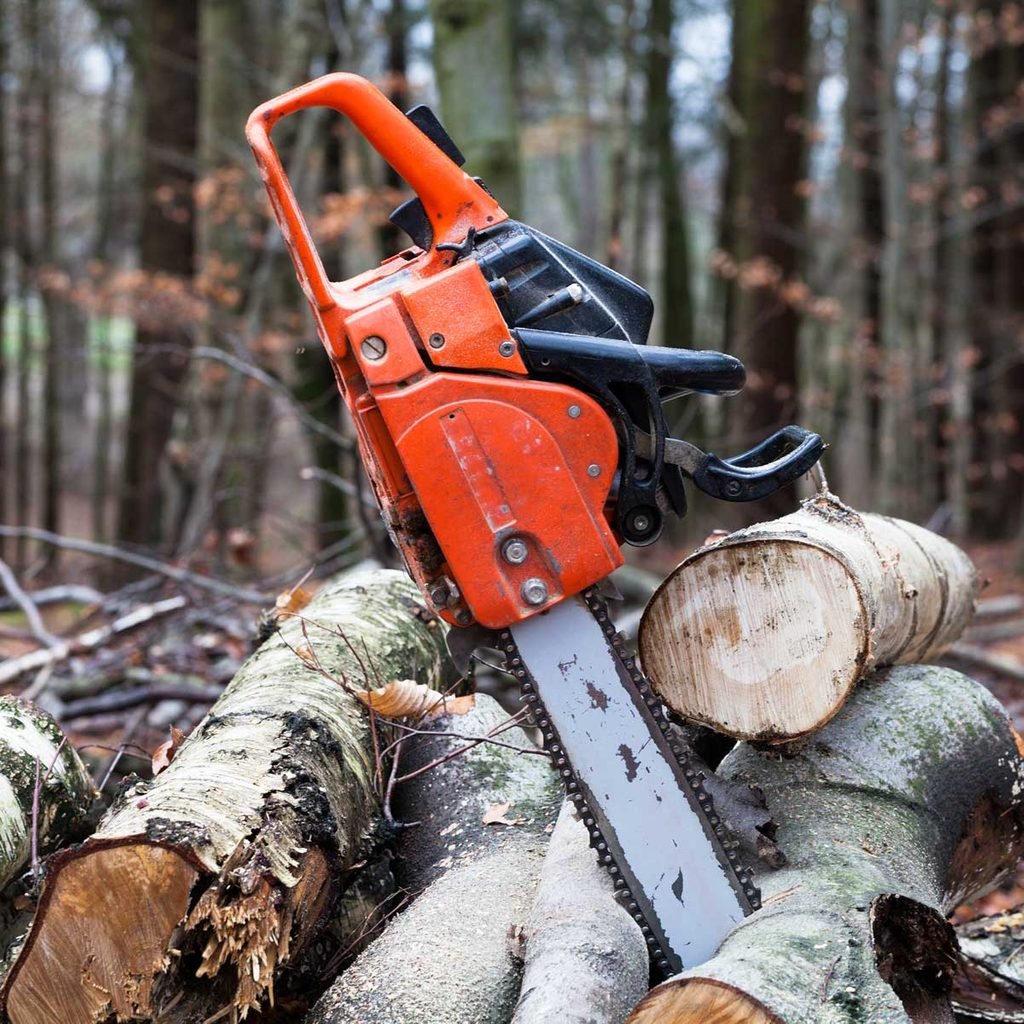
(763, 634)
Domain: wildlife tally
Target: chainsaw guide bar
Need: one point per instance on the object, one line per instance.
(677, 934)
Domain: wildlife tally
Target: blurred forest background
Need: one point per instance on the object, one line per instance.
(831, 189)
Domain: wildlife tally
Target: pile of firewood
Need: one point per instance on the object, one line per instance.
(350, 835)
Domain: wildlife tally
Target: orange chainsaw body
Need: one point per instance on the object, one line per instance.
(463, 450)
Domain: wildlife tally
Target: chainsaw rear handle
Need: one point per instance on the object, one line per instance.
(454, 202)
(775, 462)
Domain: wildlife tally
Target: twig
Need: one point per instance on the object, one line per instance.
(59, 595)
(173, 572)
(35, 807)
(24, 602)
(121, 701)
(15, 667)
(129, 731)
(512, 721)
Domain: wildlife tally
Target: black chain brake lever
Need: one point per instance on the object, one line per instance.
(778, 460)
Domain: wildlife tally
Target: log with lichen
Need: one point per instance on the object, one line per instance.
(471, 855)
(763, 633)
(906, 804)
(202, 887)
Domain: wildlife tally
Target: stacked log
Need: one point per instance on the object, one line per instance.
(200, 887)
(905, 805)
(763, 634)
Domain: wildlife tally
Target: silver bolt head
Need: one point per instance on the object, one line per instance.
(438, 594)
(593, 469)
(641, 523)
(463, 618)
(574, 412)
(507, 348)
(373, 347)
(515, 551)
(436, 340)
(534, 591)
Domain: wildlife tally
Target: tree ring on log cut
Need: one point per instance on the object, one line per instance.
(733, 646)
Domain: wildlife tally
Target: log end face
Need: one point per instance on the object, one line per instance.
(700, 1001)
(760, 640)
(96, 952)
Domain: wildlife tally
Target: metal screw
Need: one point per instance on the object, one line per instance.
(438, 594)
(463, 618)
(593, 469)
(733, 487)
(641, 523)
(507, 348)
(534, 591)
(436, 340)
(575, 412)
(515, 551)
(374, 347)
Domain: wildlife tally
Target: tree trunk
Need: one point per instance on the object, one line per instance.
(476, 879)
(767, 155)
(474, 64)
(763, 634)
(224, 865)
(901, 808)
(676, 306)
(170, 84)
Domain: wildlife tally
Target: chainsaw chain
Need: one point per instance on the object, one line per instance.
(692, 772)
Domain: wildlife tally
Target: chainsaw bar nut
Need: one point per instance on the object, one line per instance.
(534, 591)
(515, 551)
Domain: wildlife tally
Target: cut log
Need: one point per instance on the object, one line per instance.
(904, 806)
(586, 959)
(763, 634)
(200, 886)
(476, 854)
(41, 778)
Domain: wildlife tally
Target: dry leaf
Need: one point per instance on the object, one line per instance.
(291, 602)
(164, 754)
(306, 654)
(405, 698)
(495, 815)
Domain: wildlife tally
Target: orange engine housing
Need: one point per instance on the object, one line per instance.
(464, 452)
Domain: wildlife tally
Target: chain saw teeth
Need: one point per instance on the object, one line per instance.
(664, 961)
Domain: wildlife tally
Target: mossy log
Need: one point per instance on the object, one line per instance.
(201, 887)
(34, 754)
(451, 955)
(763, 634)
(906, 804)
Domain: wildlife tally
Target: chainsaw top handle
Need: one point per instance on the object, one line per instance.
(453, 201)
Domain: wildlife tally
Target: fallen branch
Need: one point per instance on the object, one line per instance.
(89, 641)
(24, 602)
(172, 572)
(1000, 664)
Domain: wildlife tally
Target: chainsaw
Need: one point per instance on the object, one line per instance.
(509, 417)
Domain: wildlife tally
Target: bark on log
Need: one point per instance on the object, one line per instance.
(222, 867)
(450, 956)
(586, 958)
(905, 805)
(763, 634)
(34, 754)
